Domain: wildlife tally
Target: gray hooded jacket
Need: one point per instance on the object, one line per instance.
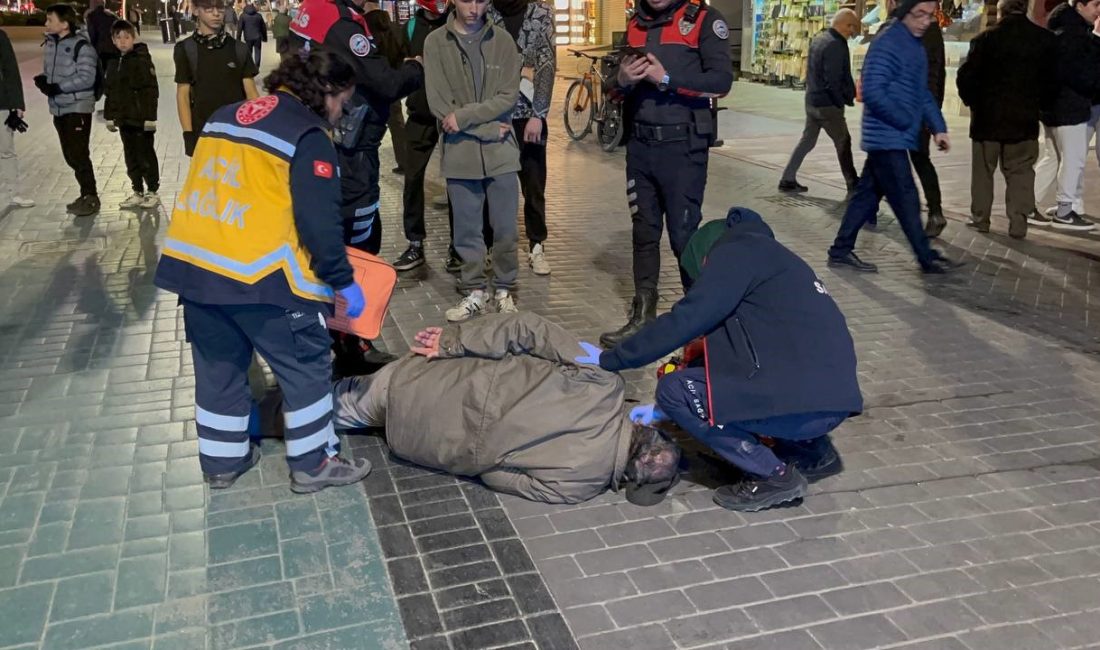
(505, 402)
(75, 77)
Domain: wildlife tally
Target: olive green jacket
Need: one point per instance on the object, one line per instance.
(477, 151)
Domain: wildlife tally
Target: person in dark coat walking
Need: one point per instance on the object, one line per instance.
(1005, 80)
(829, 88)
(779, 361)
(252, 29)
(897, 106)
(921, 157)
(11, 100)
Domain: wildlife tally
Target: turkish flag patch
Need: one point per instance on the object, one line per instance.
(322, 169)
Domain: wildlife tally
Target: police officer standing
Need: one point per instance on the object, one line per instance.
(255, 254)
(338, 26)
(677, 60)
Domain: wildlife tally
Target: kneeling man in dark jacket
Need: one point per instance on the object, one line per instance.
(778, 362)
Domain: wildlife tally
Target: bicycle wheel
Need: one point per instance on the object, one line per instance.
(610, 129)
(580, 110)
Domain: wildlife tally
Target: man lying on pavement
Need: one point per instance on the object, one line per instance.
(507, 399)
(779, 362)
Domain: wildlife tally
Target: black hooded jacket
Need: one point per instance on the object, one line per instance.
(421, 27)
(776, 342)
(1078, 68)
(131, 88)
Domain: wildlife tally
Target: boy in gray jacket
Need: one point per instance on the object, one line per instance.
(471, 78)
(70, 66)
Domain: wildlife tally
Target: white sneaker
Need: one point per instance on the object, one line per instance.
(537, 259)
(505, 303)
(151, 200)
(470, 306)
(20, 202)
(132, 201)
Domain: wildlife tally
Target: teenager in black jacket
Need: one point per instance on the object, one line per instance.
(132, 94)
(11, 100)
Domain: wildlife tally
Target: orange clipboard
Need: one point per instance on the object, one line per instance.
(377, 279)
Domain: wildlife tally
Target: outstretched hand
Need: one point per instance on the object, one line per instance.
(427, 342)
(647, 414)
(591, 354)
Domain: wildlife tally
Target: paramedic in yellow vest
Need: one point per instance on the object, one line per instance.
(255, 251)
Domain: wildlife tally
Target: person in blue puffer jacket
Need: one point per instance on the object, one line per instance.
(897, 104)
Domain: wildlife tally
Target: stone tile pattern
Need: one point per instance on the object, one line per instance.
(462, 577)
(107, 535)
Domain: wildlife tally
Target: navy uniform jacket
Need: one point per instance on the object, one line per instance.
(776, 343)
(696, 55)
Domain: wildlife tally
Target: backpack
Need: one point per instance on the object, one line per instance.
(191, 49)
(97, 85)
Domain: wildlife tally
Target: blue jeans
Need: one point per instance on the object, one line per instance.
(682, 395)
(885, 174)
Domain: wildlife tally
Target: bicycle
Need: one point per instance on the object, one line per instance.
(586, 103)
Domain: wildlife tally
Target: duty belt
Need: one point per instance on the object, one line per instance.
(661, 132)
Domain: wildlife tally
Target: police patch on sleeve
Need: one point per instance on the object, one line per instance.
(359, 44)
(721, 30)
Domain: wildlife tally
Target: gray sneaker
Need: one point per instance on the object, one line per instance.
(334, 471)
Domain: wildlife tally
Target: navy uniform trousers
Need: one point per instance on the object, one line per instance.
(361, 197)
(296, 346)
(665, 181)
(682, 395)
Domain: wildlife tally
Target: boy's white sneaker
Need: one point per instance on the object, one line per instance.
(470, 306)
(150, 200)
(20, 202)
(132, 201)
(505, 303)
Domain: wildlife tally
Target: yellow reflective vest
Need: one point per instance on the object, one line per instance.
(232, 238)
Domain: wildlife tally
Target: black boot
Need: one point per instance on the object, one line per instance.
(642, 311)
(936, 223)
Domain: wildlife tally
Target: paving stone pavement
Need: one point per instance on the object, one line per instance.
(968, 517)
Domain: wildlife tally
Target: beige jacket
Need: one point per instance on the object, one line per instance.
(505, 403)
(477, 151)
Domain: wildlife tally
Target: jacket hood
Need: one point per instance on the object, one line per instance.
(250, 9)
(140, 49)
(745, 221)
(1064, 16)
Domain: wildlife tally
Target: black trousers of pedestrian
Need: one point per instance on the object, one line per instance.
(74, 131)
(257, 48)
(665, 182)
(140, 152)
(532, 181)
(926, 172)
(421, 137)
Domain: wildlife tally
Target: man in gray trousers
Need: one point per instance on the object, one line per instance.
(829, 88)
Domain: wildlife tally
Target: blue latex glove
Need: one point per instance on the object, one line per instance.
(353, 296)
(647, 414)
(591, 356)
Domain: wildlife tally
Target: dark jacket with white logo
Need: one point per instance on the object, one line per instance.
(776, 343)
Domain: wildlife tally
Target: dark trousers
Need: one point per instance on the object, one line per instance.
(396, 127)
(360, 199)
(831, 120)
(665, 182)
(926, 172)
(140, 153)
(682, 395)
(74, 131)
(257, 48)
(532, 180)
(421, 137)
(1017, 162)
(886, 173)
(296, 346)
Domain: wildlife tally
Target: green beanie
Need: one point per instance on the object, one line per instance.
(691, 260)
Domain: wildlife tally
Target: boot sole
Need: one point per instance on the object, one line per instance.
(299, 488)
(408, 267)
(779, 498)
(836, 466)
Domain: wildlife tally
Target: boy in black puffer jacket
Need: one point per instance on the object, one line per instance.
(132, 94)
